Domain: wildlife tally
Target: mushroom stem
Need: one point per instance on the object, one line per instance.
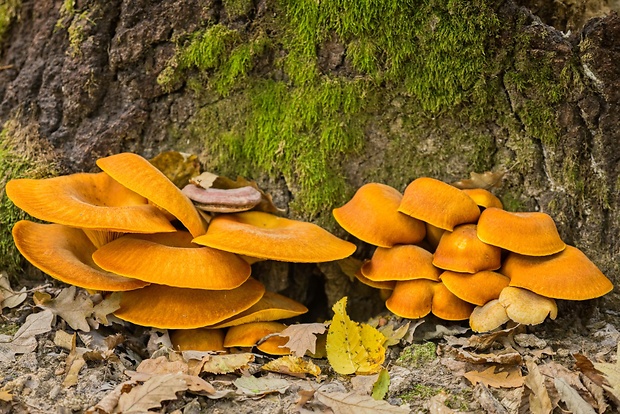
(223, 201)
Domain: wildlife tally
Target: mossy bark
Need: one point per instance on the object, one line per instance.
(314, 102)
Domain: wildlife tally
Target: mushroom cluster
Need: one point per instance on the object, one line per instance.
(458, 254)
(129, 229)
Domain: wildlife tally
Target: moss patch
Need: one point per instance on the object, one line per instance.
(420, 392)
(17, 160)
(8, 13)
(416, 355)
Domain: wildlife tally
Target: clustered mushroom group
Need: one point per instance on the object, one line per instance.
(458, 254)
(129, 229)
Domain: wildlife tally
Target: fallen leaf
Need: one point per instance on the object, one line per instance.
(302, 337)
(597, 392)
(362, 384)
(487, 400)
(571, 397)
(151, 394)
(304, 397)
(223, 364)
(24, 339)
(586, 366)
(110, 401)
(611, 372)
(484, 341)
(106, 307)
(393, 336)
(8, 297)
(505, 357)
(64, 340)
(6, 396)
(485, 180)
(554, 370)
(437, 404)
(73, 372)
(351, 403)
(502, 379)
(161, 365)
(73, 308)
(292, 365)
(254, 387)
(538, 398)
(381, 386)
(353, 348)
(179, 167)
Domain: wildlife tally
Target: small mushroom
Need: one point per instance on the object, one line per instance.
(218, 200)
(372, 216)
(446, 305)
(488, 317)
(199, 339)
(65, 254)
(172, 259)
(566, 275)
(477, 288)
(532, 233)
(528, 308)
(484, 198)
(271, 307)
(139, 175)
(462, 251)
(401, 262)
(258, 334)
(168, 307)
(438, 203)
(265, 236)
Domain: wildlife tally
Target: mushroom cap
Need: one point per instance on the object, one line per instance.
(478, 288)
(528, 308)
(89, 201)
(433, 235)
(168, 307)
(484, 198)
(172, 259)
(65, 254)
(265, 236)
(386, 285)
(411, 299)
(401, 262)
(271, 307)
(372, 216)
(532, 233)
(139, 175)
(446, 305)
(462, 251)
(438, 203)
(249, 334)
(566, 275)
(199, 339)
(488, 317)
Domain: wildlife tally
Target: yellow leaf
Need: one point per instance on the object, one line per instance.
(292, 365)
(353, 348)
(505, 379)
(5, 396)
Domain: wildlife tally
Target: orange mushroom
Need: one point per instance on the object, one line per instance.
(401, 262)
(438, 203)
(446, 305)
(199, 339)
(172, 259)
(254, 334)
(411, 299)
(372, 216)
(484, 198)
(532, 234)
(139, 175)
(168, 307)
(265, 236)
(477, 288)
(462, 251)
(65, 254)
(566, 275)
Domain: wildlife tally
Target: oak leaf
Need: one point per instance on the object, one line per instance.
(302, 337)
(571, 397)
(106, 307)
(353, 348)
(538, 398)
(352, 403)
(151, 394)
(611, 372)
(292, 365)
(502, 379)
(73, 308)
(24, 339)
(8, 297)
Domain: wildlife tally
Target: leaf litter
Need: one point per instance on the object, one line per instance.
(69, 352)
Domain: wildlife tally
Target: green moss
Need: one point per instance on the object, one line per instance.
(237, 8)
(420, 392)
(416, 355)
(8, 13)
(16, 161)
(9, 329)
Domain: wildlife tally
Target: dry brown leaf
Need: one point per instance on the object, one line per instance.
(8, 297)
(502, 379)
(554, 370)
(5, 396)
(64, 340)
(110, 401)
(538, 398)
(72, 306)
(486, 180)
(161, 365)
(586, 366)
(352, 403)
(71, 378)
(254, 387)
(487, 400)
(292, 365)
(393, 335)
(24, 339)
(223, 364)
(437, 404)
(611, 372)
(304, 397)
(151, 394)
(506, 357)
(302, 337)
(482, 342)
(106, 307)
(597, 392)
(571, 397)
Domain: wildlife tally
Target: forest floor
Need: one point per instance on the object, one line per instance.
(435, 367)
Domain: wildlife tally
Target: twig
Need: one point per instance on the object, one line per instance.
(6, 67)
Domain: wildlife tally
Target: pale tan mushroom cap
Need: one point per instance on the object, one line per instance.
(484, 198)
(401, 262)
(488, 317)
(532, 233)
(199, 339)
(139, 175)
(528, 308)
(266, 236)
(372, 216)
(566, 275)
(88, 201)
(65, 254)
(438, 203)
(168, 307)
(462, 251)
(478, 288)
(271, 307)
(172, 259)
